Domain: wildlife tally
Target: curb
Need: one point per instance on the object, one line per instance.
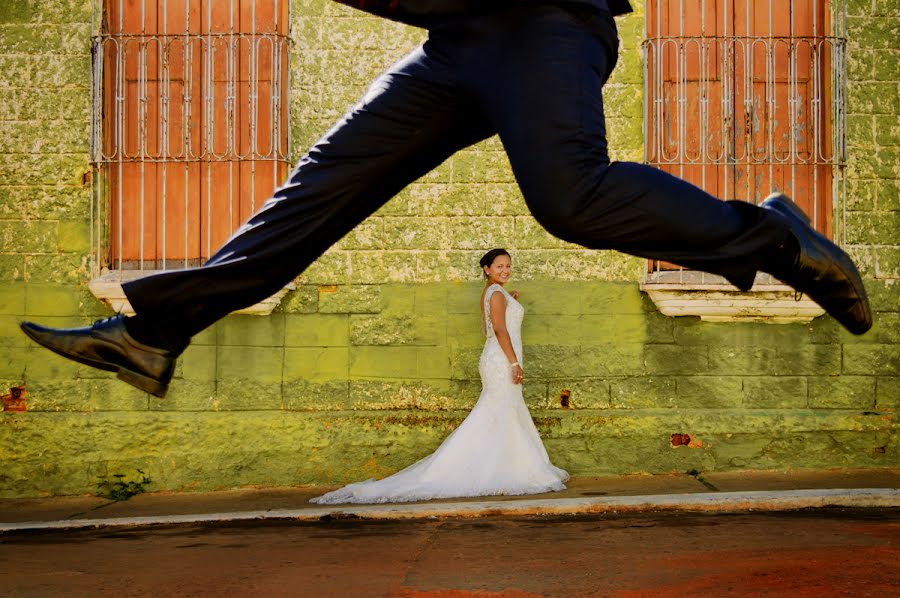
(707, 502)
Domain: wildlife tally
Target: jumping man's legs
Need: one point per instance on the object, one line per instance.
(540, 78)
(411, 119)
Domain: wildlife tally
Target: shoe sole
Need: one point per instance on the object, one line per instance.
(786, 207)
(139, 381)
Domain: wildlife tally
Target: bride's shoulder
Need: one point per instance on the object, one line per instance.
(494, 288)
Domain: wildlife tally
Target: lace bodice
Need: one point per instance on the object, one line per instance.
(515, 313)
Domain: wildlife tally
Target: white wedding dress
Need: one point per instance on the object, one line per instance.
(495, 450)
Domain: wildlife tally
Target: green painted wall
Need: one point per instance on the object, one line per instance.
(373, 359)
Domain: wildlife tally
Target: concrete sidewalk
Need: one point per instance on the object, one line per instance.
(733, 491)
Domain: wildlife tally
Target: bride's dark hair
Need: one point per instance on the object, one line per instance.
(488, 258)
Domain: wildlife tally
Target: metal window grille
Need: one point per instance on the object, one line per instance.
(190, 125)
(746, 97)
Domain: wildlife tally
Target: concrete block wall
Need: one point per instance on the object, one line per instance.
(372, 360)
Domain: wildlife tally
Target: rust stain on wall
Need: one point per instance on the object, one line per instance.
(14, 400)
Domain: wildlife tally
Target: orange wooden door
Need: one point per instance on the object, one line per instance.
(194, 114)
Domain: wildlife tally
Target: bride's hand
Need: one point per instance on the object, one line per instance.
(515, 294)
(517, 374)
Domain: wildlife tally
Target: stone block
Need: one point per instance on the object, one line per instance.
(111, 394)
(333, 267)
(304, 395)
(842, 392)
(317, 330)
(11, 336)
(861, 129)
(431, 299)
(887, 262)
(13, 367)
(552, 330)
(861, 67)
(874, 32)
(887, 392)
(692, 331)
(742, 360)
(808, 360)
(708, 392)
(464, 362)
(198, 363)
(504, 199)
(882, 360)
(463, 330)
(676, 359)
(401, 329)
(611, 298)
(624, 328)
(358, 299)
(188, 395)
(481, 234)
(251, 331)
(775, 392)
(575, 264)
(877, 228)
(433, 362)
(550, 298)
(464, 298)
(885, 330)
(316, 364)
(28, 236)
(414, 232)
(302, 300)
(12, 267)
(888, 192)
(370, 234)
(477, 166)
(861, 193)
(421, 395)
(248, 395)
(431, 266)
(643, 392)
(48, 394)
(41, 364)
(528, 233)
(614, 359)
(65, 268)
(887, 129)
(250, 366)
(375, 267)
(584, 393)
(383, 362)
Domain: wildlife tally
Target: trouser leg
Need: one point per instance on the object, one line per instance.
(541, 84)
(410, 121)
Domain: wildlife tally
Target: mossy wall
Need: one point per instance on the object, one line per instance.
(372, 360)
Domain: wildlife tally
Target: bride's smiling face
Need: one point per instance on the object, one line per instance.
(499, 271)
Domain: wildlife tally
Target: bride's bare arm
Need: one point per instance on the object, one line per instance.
(498, 322)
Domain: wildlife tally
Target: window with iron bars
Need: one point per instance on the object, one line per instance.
(190, 128)
(743, 98)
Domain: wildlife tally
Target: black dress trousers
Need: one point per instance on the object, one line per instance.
(533, 75)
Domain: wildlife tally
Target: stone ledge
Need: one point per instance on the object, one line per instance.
(107, 287)
(713, 299)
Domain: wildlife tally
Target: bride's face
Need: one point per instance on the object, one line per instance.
(500, 271)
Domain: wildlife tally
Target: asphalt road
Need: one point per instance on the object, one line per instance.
(802, 553)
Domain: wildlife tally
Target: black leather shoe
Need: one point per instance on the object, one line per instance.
(823, 270)
(106, 345)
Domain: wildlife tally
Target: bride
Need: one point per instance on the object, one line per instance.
(496, 449)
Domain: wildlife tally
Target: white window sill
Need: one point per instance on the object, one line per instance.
(713, 299)
(107, 287)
